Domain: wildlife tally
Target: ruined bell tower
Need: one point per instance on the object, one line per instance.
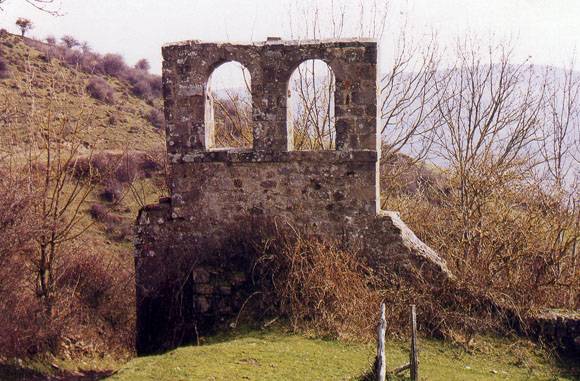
(184, 285)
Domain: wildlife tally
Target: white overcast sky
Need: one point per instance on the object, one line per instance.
(547, 30)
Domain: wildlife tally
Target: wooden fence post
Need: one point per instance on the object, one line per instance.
(414, 360)
(381, 362)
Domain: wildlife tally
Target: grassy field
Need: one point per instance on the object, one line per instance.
(279, 356)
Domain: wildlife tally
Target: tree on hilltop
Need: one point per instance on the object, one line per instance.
(69, 41)
(24, 24)
(142, 64)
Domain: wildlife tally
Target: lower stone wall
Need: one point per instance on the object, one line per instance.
(557, 328)
(189, 286)
(184, 287)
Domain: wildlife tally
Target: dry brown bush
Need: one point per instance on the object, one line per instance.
(156, 118)
(59, 291)
(91, 299)
(4, 69)
(499, 206)
(318, 287)
(524, 254)
(100, 90)
(233, 120)
(326, 289)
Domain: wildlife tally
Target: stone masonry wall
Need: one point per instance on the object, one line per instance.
(189, 280)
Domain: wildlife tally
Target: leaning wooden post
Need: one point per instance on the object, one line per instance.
(381, 362)
(414, 360)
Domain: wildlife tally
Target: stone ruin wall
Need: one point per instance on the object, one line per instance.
(335, 193)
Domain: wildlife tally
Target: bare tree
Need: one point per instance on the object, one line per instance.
(143, 64)
(491, 111)
(408, 116)
(69, 41)
(42, 5)
(24, 24)
(311, 106)
(561, 127)
(62, 194)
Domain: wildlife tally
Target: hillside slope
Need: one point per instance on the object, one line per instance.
(40, 93)
(33, 80)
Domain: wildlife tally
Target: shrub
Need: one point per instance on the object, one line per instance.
(23, 327)
(73, 58)
(156, 85)
(91, 62)
(4, 70)
(509, 249)
(112, 192)
(128, 169)
(142, 89)
(318, 287)
(115, 168)
(120, 230)
(50, 40)
(144, 85)
(156, 118)
(85, 47)
(142, 64)
(100, 90)
(97, 300)
(329, 289)
(150, 164)
(101, 163)
(98, 212)
(113, 64)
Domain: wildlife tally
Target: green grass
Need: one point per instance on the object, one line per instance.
(275, 355)
(279, 356)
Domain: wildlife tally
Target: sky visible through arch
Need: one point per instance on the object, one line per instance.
(546, 30)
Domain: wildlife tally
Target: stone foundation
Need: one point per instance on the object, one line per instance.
(557, 328)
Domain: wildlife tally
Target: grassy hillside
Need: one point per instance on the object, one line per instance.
(44, 95)
(32, 79)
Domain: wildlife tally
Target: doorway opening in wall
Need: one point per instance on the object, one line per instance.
(310, 118)
(228, 106)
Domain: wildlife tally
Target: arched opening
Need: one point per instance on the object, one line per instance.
(228, 107)
(310, 118)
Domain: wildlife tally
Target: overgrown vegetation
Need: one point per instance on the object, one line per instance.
(67, 270)
(500, 204)
(318, 287)
(79, 56)
(100, 89)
